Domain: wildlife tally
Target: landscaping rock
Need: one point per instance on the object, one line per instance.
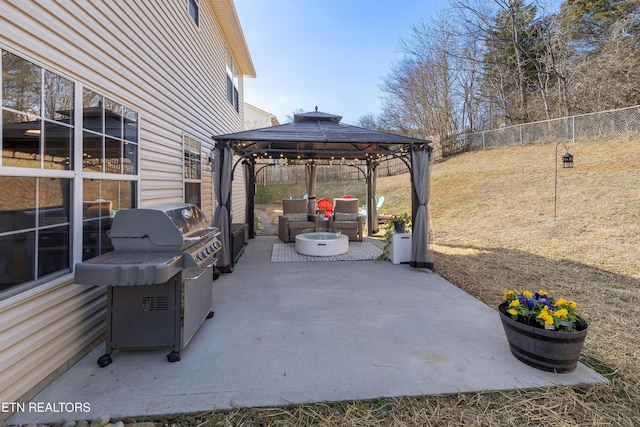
(100, 422)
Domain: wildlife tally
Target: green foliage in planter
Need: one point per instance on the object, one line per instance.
(390, 230)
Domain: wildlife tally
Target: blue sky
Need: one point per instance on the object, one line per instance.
(331, 53)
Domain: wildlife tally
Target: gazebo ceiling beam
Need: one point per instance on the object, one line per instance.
(324, 151)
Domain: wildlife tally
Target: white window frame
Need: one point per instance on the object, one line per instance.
(191, 164)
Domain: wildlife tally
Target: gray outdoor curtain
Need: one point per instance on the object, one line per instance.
(222, 169)
(374, 203)
(421, 254)
(310, 177)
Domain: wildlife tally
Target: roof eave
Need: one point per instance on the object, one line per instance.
(226, 14)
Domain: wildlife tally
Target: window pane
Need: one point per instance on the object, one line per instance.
(112, 118)
(54, 201)
(192, 193)
(20, 140)
(17, 259)
(193, 11)
(130, 165)
(92, 111)
(113, 155)
(119, 193)
(18, 206)
(236, 101)
(53, 250)
(91, 152)
(58, 143)
(229, 90)
(58, 97)
(94, 230)
(21, 84)
(130, 125)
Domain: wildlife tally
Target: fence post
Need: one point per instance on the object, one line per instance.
(521, 142)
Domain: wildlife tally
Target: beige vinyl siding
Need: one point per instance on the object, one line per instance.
(43, 329)
(150, 56)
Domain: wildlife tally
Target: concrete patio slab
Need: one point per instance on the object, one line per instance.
(304, 332)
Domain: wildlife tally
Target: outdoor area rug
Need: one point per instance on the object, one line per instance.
(358, 251)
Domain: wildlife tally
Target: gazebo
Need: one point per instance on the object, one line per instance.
(321, 138)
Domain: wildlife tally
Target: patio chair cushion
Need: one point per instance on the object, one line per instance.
(346, 216)
(295, 217)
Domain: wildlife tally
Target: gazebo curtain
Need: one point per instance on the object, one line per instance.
(421, 254)
(222, 170)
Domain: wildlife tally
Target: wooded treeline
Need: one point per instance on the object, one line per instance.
(483, 64)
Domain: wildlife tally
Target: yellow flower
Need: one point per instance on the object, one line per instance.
(562, 313)
(513, 312)
(541, 292)
(508, 294)
(548, 319)
(572, 304)
(527, 294)
(514, 303)
(561, 301)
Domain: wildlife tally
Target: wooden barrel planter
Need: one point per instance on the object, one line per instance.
(554, 351)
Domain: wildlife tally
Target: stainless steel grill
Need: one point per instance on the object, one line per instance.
(159, 278)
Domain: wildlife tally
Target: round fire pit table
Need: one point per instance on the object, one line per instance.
(322, 242)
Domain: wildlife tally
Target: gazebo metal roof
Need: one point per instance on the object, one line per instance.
(320, 136)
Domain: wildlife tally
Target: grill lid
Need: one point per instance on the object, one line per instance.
(162, 229)
(151, 246)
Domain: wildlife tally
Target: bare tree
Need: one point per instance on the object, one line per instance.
(419, 92)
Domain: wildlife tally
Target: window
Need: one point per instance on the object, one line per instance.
(42, 137)
(109, 136)
(232, 82)
(192, 170)
(37, 127)
(194, 11)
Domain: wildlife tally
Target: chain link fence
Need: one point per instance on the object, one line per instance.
(623, 123)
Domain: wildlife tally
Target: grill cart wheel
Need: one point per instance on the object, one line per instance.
(104, 360)
(174, 356)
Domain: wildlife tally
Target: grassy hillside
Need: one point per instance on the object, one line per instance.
(493, 228)
(505, 199)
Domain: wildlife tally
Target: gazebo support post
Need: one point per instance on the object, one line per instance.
(251, 198)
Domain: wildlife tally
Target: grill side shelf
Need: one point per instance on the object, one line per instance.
(128, 269)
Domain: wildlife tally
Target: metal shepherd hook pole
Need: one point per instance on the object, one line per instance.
(567, 162)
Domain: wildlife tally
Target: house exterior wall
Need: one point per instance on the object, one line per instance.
(255, 118)
(150, 56)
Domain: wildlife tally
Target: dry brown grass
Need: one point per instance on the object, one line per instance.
(493, 229)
